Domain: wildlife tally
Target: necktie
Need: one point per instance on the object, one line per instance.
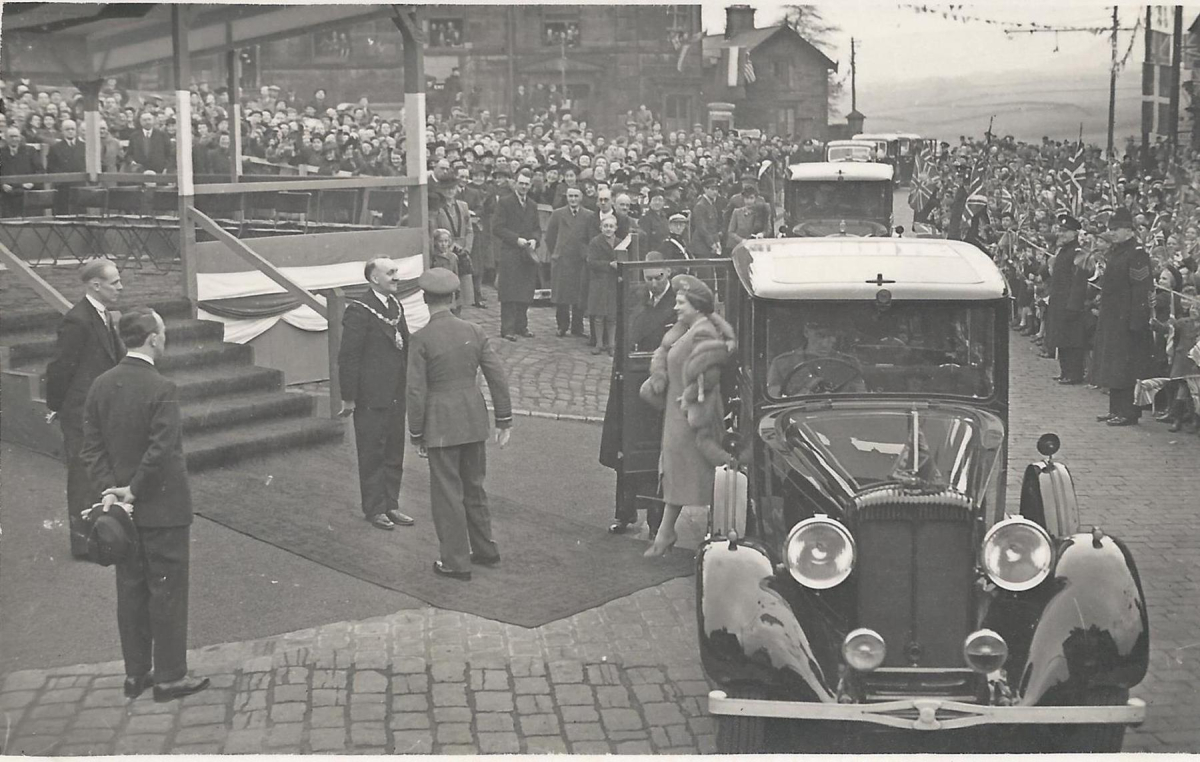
(113, 339)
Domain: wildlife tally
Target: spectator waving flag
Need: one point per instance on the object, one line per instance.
(923, 184)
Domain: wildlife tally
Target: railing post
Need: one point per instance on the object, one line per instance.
(335, 302)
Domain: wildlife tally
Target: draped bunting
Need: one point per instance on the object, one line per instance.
(249, 303)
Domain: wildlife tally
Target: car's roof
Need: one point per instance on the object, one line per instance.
(857, 268)
(882, 135)
(838, 170)
(864, 143)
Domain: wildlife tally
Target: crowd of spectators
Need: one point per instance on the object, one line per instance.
(1023, 202)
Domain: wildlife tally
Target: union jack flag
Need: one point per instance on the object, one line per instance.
(923, 183)
(976, 197)
(1006, 201)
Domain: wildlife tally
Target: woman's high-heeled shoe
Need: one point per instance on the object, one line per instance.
(657, 551)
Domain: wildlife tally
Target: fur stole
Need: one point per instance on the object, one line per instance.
(713, 345)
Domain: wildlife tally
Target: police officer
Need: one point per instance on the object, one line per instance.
(447, 420)
(674, 247)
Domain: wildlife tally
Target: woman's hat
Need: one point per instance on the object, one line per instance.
(695, 290)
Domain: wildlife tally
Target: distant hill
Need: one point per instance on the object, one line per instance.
(1027, 105)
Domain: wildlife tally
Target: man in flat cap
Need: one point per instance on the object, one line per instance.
(1065, 326)
(447, 420)
(1123, 334)
(87, 345)
(133, 448)
(372, 364)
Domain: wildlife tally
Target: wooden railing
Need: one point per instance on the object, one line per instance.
(26, 275)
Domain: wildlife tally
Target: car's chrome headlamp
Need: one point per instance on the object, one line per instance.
(1017, 554)
(820, 553)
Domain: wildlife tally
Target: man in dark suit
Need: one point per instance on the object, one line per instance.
(652, 313)
(372, 364)
(447, 419)
(150, 148)
(87, 346)
(517, 228)
(17, 159)
(1124, 341)
(133, 447)
(67, 155)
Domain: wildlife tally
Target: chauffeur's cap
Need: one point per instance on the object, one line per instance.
(678, 217)
(438, 281)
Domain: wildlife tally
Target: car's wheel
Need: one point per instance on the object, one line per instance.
(1097, 738)
(741, 734)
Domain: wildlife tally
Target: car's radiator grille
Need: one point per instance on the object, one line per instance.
(914, 575)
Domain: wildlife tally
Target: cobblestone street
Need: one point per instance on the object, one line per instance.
(621, 678)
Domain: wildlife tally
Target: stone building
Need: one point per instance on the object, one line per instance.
(773, 78)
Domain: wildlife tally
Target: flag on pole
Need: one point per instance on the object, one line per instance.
(923, 186)
(748, 69)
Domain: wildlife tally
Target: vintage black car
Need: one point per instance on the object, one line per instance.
(864, 567)
(838, 199)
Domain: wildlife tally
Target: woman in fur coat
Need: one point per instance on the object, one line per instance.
(684, 381)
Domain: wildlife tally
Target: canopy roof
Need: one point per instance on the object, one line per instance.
(92, 40)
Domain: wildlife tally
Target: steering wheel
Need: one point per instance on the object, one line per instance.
(818, 383)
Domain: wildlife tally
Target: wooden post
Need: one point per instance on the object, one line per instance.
(233, 66)
(408, 20)
(90, 129)
(180, 15)
(335, 304)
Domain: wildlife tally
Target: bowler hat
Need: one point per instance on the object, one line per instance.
(112, 537)
(1069, 222)
(438, 281)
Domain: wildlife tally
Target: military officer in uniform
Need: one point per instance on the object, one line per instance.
(447, 419)
(1123, 334)
(706, 221)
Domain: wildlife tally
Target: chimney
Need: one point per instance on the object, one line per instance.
(738, 19)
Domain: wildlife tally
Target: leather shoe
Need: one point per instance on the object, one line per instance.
(381, 521)
(401, 519)
(1122, 420)
(619, 527)
(1105, 418)
(180, 688)
(1069, 381)
(444, 571)
(526, 335)
(561, 333)
(479, 560)
(134, 686)
(509, 336)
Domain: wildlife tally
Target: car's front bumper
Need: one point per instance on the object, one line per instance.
(930, 713)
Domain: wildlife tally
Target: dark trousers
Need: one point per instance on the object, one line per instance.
(458, 503)
(514, 318)
(80, 494)
(379, 438)
(1120, 402)
(1070, 362)
(633, 491)
(152, 604)
(569, 318)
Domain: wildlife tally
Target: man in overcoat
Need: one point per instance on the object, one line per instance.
(17, 159)
(149, 147)
(567, 236)
(652, 226)
(518, 229)
(86, 346)
(651, 307)
(1064, 327)
(372, 368)
(133, 448)
(1123, 333)
(706, 222)
(447, 419)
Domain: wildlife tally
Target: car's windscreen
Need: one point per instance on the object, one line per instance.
(857, 153)
(819, 348)
(840, 199)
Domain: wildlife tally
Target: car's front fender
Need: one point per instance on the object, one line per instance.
(750, 633)
(1093, 629)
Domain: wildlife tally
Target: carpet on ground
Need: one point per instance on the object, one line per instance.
(552, 566)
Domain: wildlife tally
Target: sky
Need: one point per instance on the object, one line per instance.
(895, 42)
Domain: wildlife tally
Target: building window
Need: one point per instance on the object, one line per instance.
(445, 33)
(785, 121)
(375, 42)
(782, 72)
(677, 107)
(331, 45)
(560, 33)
